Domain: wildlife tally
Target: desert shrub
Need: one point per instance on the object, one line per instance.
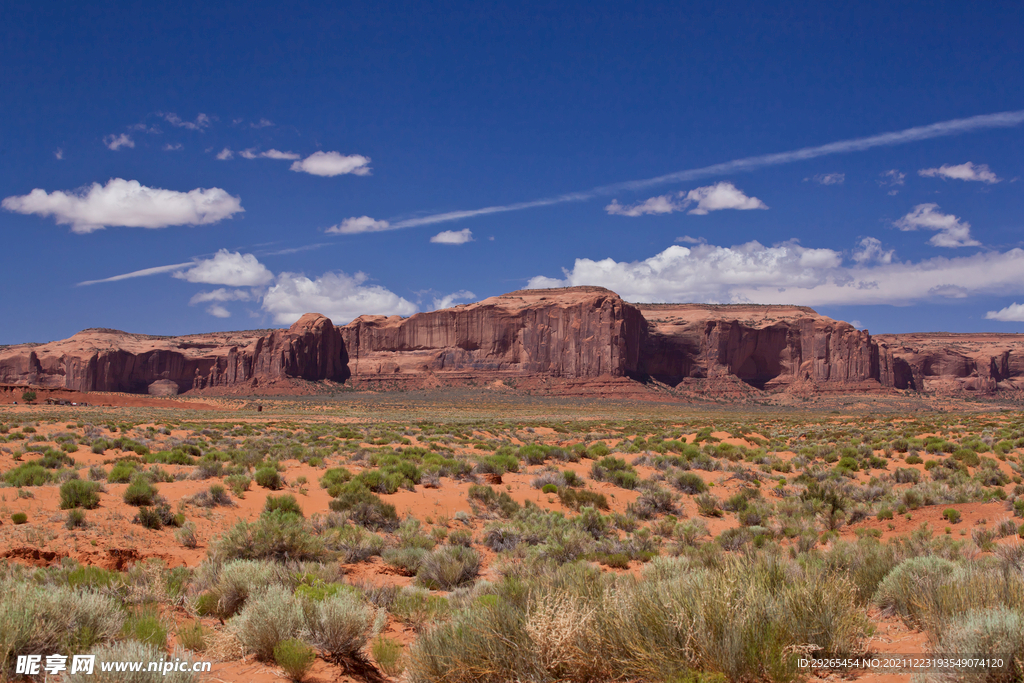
(418, 607)
(898, 591)
(269, 478)
(907, 475)
(283, 504)
(41, 620)
(295, 657)
(387, 652)
(708, 505)
(186, 535)
(688, 482)
(270, 616)
(549, 488)
(988, 633)
(913, 459)
(27, 474)
(449, 567)
(952, 515)
(406, 560)
(75, 519)
(274, 536)
(576, 499)
(192, 635)
(146, 626)
(499, 463)
(122, 472)
(19, 518)
(140, 491)
(76, 493)
(340, 625)
(494, 500)
(353, 543)
(333, 479)
(691, 532)
(462, 537)
(134, 651)
(238, 483)
(501, 538)
(533, 454)
(149, 517)
(364, 507)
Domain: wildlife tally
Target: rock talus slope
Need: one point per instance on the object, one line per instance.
(537, 339)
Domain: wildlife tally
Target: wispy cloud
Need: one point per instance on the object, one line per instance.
(225, 154)
(967, 171)
(262, 123)
(723, 195)
(222, 294)
(145, 272)
(58, 154)
(202, 121)
(936, 130)
(892, 179)
(453, 237)
(127, 203)
(952, 232)
(358, 224)
(173, 147)
(116, 142)
(448, 300)
(828, 178)
(252, 153)
(332, 164)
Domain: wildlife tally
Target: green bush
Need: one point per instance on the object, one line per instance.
(899, 591)
(140, 491)
(269, 478)
(388, 655)
(146, 626)
(19, 518)
(75, 519)
(295, 657)
(333, 479)
(689, 482)
(448, 567)
(27, 474)
(549, 488)
(576, 499)
(76, 493)
(952, 515)
(192, 635)
(274, 536)
(122, 472)
(268, 618)
(364, 507)
(285, 503)
(340, 625)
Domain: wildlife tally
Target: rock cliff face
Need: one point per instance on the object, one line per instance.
(537, 338)
(109, 360)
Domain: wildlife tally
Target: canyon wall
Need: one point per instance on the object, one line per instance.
(573, 335)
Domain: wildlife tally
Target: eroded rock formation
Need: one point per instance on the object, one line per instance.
(536, 339)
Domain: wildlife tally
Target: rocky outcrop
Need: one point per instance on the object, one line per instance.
(575, 340)
(947, 363)
(577, 332)
(110, 360)
(766, 347)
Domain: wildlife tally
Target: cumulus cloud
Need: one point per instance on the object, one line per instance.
(453, 237)
(116, 142)
(892, 179)
(228, 268)
(952, 232)
(218, 311)
(828, 178)
(723, 195)
(448, 300)
(967, 171)
(788, 273)
(202, 121)
(127, 203)
(870, 251)
(225, 154)
(332, 164)
(358, 224)
(221, 294)
(339, 296)
(1014, 313)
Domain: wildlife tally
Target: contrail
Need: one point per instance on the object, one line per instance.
(1006, 119)
(139, 273)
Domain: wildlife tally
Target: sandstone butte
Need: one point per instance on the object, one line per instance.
(573, 338)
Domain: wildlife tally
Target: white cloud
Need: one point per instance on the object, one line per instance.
(332, 164)
(275, 154)
(448, 300)
(686, 239)
(218, 311)
(453, 237)
(1014, 313)
(262, 123)
(828, 178)
(202, 121)
(59, 154)
(952, 232)
(116, 142)
(221, 294)
(967, 171)
(228, 268)
(225, 154)
(173, 147)
(723, 195)
(892, 179)
(666, 203)
(339, 296)
(127, 203)
(788, 273)
(248, 153)
(358, 224)
(870, 251)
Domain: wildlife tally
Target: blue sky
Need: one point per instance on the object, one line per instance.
(245, 162)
